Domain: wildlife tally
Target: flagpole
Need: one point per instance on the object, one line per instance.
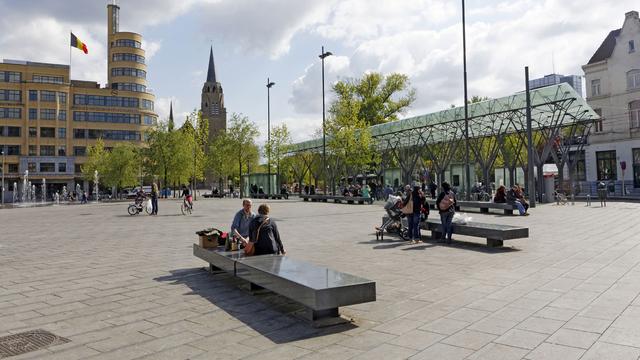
(70, 32)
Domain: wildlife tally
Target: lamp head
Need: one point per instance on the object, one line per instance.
(270, 84)
(325, 54)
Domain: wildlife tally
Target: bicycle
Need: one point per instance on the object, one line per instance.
(138, 207)
(186, 207)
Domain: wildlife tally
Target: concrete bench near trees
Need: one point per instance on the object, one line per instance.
(267, 196)
(495, 234)
(484, 206)
(338, 199)
(319, 289)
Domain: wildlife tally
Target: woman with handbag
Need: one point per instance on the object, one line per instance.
(411, 208)
(446, 204)
(264, 237)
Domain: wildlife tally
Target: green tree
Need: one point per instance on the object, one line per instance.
(220, 157)
(378, 98)
(169, 154)
(242, 134)
(278, 147)
(96, 160)
(123, 166)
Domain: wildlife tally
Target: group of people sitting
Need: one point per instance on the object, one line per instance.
(257, 234)
(357, 191)
(514, 196)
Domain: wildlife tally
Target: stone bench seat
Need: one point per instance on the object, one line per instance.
(494, 233)
(338, 199)
(484, 206)
(319, 289)
(267, 196)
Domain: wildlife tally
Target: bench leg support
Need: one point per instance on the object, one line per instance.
(255, 288)
(323, 318)
(214, 269)
(494, 243)
(484, 210)
(508, 212)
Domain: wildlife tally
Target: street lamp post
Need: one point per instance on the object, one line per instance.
(269, 85)
(466, 108)
(323, 55)
(2, 185)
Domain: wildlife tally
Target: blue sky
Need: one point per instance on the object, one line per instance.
(281, 39)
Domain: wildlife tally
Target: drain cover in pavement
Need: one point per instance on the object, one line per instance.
(28, 341)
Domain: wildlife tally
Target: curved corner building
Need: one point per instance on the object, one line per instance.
(47, 120)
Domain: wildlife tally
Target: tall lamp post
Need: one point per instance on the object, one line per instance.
(323, 55)
(2, 185)
(466, 108)
(269, 85)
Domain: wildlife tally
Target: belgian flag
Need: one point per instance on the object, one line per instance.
(75, 42)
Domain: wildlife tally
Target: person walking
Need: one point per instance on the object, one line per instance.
(154, 199)
(446, 204)
(414, 201)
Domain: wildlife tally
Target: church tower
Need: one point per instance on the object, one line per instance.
(212, 104)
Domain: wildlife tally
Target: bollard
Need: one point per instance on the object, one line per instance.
(573, 199)
(588, 199)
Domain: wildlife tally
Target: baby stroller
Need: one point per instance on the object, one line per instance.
(393, 223)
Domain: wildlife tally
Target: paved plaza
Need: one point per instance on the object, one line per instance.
(124, 287)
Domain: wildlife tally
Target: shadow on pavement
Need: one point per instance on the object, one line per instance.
(270, 314)
(395, 242)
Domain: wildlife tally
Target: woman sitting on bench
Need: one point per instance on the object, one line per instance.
(264, 237)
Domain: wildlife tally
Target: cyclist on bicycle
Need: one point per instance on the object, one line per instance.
(140, 197)
(186, 194)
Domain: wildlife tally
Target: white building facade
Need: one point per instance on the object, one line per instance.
(613, 91)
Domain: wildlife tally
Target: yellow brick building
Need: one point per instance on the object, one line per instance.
(47, 120)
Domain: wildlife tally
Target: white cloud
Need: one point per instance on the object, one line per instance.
(306, 94)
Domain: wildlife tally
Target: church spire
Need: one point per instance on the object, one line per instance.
(211, 72)
(171, 124)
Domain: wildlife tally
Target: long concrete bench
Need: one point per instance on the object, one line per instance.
(319, 289)
(338, 199)
(484, 206)
(494, 233)
(267, 196)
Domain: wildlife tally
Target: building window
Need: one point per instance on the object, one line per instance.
(32, 167)
(632, 46)
(633, 79)
(47, 132)
(79, 151)
(47, 167)
(595, 87)
(597, 124)
(47, 150)
(77, 168)
(62, 115)
(606, 165)
(634, 114)
(13, 150)
(114, 134)
(128, 57)
(636, 167)
(13, 168)
(115, 118)
(147, 104)
(33, 151)
(62, 167)
(62, 133)
(33, 132)
(33, 114)
(111, 101)
(129, 87)
(149, 120)
(10, 95)
(79, 134)
(128, 43)
(129, 72)
(33, 95)
(10, 113)
(577, 159)
(47, 114)
(10, 76)
(49, 96)
(48, 79)
(13, 131)
(62, 150)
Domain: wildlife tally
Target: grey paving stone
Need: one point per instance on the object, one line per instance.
(521, 338)
(548, 351)
(540, 325)
(606, 351)
(494, 351)
(469, 339)
(442, 351)
(574, 338)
